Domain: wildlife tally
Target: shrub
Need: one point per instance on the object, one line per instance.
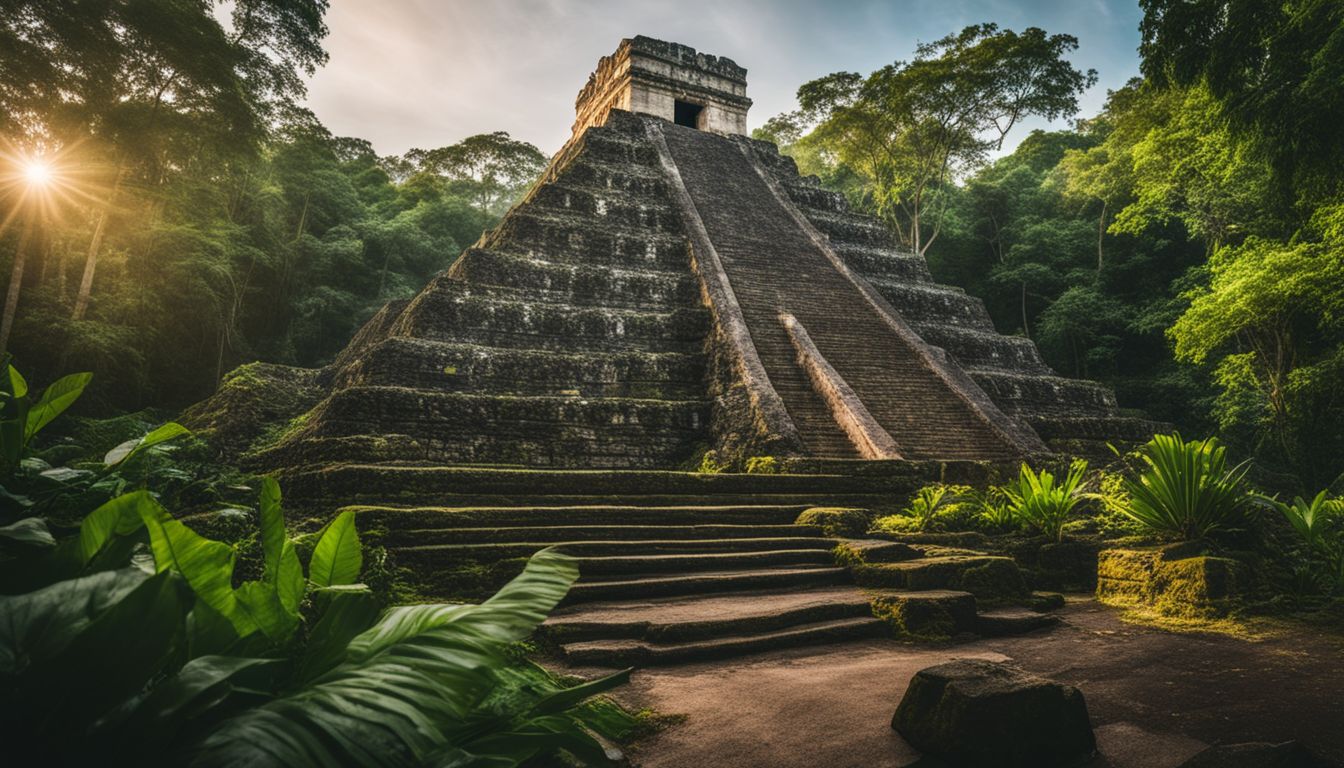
(1185, 489)
(108, 662)
(1320, 524)
(1036, 500)
(710, 464)
(763, 465)
(22, 417)
(994, 511)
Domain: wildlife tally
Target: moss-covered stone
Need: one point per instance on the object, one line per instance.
(1171, 580)
(836, 521)
(931, 615)
(853, 552)
(977, 713)
(982, 575)
(253, 405)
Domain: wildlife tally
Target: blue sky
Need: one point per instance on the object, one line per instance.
(426, 73)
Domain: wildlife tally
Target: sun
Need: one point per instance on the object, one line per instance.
(37, 173)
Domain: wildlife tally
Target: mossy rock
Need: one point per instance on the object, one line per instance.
(1171, 580)
(931, 615)
(836, 521)
(982, 575)
(852, 552)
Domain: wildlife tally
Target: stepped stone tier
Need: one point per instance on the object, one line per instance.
(670, 285)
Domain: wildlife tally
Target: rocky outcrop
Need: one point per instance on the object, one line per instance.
(975, 713)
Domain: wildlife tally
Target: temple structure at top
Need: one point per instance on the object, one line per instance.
(666, 80)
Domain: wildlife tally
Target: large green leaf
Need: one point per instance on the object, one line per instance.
(346, 612)
(282, 569)
(40, 624)
(56, 398)
(100, 668)
(121, 516)
(407, 686)
(200, 686)
(13, 414)
(338, 558)
(206, 565)
(131, 448)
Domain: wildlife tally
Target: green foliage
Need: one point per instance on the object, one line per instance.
(21, 418)
(763, 465)
(933, 507)
(1320, 525)
(1186, 490)
(710, 463)
(1038, 500)
(909, 129)
(271, 672)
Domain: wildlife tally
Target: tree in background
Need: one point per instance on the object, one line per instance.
(225, 223)
(490, 168)
(909, 130)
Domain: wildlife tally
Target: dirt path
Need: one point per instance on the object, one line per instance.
(1155, 697)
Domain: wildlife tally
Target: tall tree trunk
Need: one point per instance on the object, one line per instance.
(15, 283)
(95, 245)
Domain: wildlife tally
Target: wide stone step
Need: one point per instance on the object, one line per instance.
(883, 262)
(611, 146)
(930, 302)
(466, 486)
(604, 566)
(455, 367)
(984, 349)
(852, 228)
(978, 574)
(1114, 427)
(810, 199)
(1004, 622)
(566, 193)
(559, 282)
(451, 310)
(679, 619)
(570, 238)
(1040, 395)
(634, 652)
(706, 582)
(644, 555)
(541, 522)
(725, 536)
(371, 424)
(594, 174)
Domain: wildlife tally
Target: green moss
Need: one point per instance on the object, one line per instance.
(1172, 581)
(836, 521)
(924, 617)
(997, 578)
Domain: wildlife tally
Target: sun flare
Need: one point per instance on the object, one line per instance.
(37, 173)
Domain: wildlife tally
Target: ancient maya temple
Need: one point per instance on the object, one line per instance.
(668, 286)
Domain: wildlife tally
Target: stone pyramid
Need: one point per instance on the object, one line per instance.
(669, 286)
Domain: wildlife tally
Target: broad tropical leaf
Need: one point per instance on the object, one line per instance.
(206, 565)
(131, 448)
(56, 398)
(337, 559)
(40, 624)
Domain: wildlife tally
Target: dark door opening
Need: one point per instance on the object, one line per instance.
(687, 114)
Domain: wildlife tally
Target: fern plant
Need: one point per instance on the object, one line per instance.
(1037, 500)
(1186, 490)
(925, 505)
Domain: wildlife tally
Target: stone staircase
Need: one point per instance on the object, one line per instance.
(774, 267)
(675, 567)
(1069, 414)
